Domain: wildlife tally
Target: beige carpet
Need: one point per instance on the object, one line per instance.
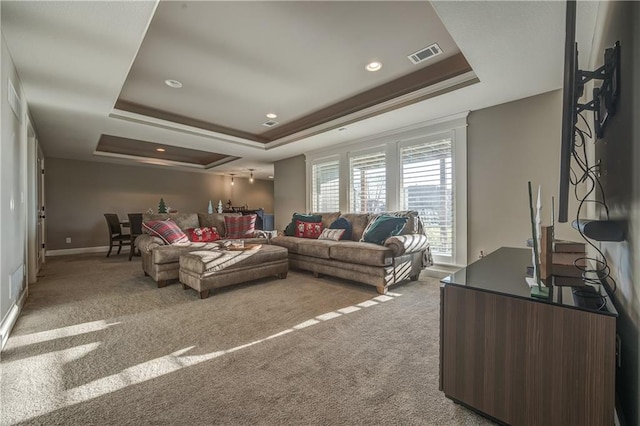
(98, 344)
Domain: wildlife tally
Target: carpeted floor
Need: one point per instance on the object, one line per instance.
(99, 344)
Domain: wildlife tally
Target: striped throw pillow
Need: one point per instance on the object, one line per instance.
(240, 226)
(332, 234)
(167, 230)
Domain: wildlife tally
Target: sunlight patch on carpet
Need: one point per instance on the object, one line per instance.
(59, 333)
(133, 375)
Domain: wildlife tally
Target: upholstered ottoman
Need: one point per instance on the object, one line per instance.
(204, 270)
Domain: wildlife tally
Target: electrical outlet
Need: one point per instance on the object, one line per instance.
(618, 351)
(68, 240)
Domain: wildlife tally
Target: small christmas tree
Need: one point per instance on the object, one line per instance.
(162, 207)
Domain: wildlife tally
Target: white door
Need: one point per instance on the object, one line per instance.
(40, 228)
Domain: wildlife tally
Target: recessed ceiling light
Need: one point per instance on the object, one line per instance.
(374, 66)
(173, 83)
(160, 149)
(272, 115)
(270, 177)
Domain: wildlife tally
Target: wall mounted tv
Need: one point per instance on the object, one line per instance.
(603, 104)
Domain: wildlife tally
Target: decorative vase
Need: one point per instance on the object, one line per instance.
(210, 208)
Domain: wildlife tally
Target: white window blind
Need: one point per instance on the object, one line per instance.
(367, 185)
(426, 184)
(325, 190)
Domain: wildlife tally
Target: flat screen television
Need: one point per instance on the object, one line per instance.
(569, 110)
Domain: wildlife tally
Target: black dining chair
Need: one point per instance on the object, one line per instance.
(135, 227)
(115, 232)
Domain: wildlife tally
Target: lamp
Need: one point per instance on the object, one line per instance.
(232, 175)
(251, 175)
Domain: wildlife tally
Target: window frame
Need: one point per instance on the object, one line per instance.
(310, 188)
(391, 142)
(362, 152)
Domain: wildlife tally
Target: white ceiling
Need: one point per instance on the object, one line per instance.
(73, 59)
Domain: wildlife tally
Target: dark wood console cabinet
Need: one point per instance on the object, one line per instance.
(519, 360)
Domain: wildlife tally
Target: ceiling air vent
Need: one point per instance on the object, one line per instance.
(270, 123)
(424, 54)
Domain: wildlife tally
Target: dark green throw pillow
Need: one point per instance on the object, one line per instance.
(290, 230)
(384, 227)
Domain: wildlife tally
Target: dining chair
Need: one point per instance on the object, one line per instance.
(115, 232)
(135, 227)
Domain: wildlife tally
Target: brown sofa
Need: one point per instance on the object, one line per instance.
(401, 257)
(160, 261)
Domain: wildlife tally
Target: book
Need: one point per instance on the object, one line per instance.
(569, 259)
(563, 246)
(566, 271)
(567, 281)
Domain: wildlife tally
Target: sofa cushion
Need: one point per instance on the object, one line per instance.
(167, 230)
(358, 222)
(216, 220)
(290, 243)
(342, 223)
(316, 248)
(204, 234)
(308, 229)
(290, 230)
(241, 226)
(183, 220)
(383, 227)
(327, 218)
(171, 253)
(332, 234)
(362, 253)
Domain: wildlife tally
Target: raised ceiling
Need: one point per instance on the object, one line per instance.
(304, 61)
(77, 60)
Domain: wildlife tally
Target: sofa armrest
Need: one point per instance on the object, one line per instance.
(405, 244)
(146, 242)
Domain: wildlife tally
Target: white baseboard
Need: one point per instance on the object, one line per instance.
(10, 319)
(82, 250)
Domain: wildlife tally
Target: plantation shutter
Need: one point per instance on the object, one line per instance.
(367, 186)
(326, 186)
(426, 184)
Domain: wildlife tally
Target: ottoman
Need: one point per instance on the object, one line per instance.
(207, 269)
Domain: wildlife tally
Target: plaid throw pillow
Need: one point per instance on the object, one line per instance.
(167, 230)
(308, 229)
(241, 226)
(203, 235)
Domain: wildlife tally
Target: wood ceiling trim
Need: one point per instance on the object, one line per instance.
(143, 149)
(424, 77)
(440, 71)
(187, 121)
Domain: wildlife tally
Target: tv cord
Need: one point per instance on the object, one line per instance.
(589, 176)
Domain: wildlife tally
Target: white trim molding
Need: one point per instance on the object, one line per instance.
(10, 319)
(84, 250)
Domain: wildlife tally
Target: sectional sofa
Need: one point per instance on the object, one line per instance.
(160, 261)
(399, 258)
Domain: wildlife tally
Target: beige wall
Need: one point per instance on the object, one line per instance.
(509, 145)
(78, 193)
(289, 189)
(619, 155)
(13, 193)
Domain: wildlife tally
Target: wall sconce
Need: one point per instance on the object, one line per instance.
(251, 175)
(232, 175)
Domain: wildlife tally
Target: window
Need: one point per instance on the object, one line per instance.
(426, 185)
(421, 167)
(367, 184)
(325, 186)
